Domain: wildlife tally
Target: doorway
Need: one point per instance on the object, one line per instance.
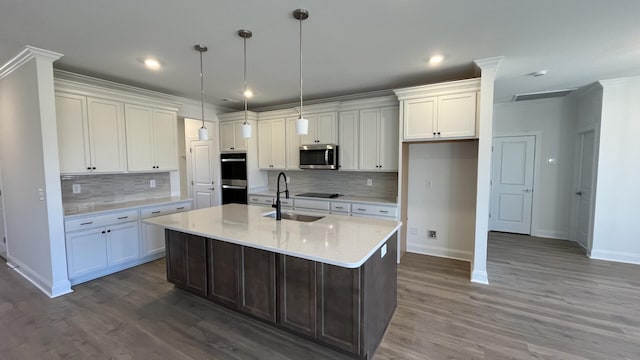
(513, 162)
(585, 151)
(3, 232)
(203, 182)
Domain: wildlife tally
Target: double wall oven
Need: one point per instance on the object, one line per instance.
(233, 169)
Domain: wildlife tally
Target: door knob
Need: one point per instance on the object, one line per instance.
(527, 190)
(579, 193)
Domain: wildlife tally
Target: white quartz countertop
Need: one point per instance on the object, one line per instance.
(335, 239)
(344, 198)
(76, 210)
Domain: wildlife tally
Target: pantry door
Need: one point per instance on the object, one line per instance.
(3, 233)
(512, 184)
(203, 182)
(584, 188)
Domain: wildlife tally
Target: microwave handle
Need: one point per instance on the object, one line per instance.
(326, 157)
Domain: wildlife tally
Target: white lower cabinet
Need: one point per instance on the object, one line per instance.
(153, 243)
(86, 252)
(122, 243)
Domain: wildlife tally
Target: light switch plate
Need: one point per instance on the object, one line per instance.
(152, 183)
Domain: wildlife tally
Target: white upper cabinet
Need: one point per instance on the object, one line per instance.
(293, 145)
(231, 136)
(439, 111)
(152, 139)
(348, 138)
(271, 144)
(322, 129)
(91, 135)
(378, 149)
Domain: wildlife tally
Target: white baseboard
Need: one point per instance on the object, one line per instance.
(562, 235)
(479, 277)
(44, 285)
(617, 256)
(439, 252)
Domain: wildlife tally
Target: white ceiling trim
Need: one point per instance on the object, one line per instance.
(29, 52)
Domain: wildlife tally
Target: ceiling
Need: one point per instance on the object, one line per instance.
(349, 46)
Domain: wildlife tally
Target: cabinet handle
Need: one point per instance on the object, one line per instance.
(384, 211)
(180, 208)
(155, 212)
(232, 148)
(109, 230)
(89, 168)
(123, 217)
(93, 168)
(434, 133)
(339, 207)
(103, 231)
(438, 133)
(361, 209)
(87, 223)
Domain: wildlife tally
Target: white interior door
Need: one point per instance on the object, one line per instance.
(3, 233)
(512, 184)
(584, 189)
(204, 174)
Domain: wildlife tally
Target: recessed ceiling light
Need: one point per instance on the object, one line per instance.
(436, 59)
(248, 93)
(152, 64)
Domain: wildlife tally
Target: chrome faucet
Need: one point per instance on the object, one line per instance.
(277, 205)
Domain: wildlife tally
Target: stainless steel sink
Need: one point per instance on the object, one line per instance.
(295, 217)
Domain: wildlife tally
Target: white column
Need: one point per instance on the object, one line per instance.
(489, 68)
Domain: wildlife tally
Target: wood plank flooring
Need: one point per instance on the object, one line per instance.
(546, 301)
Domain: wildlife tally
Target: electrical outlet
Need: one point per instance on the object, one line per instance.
(369, 182)
(288, 178)
(431, 234)
(77, 189)
(152, 183)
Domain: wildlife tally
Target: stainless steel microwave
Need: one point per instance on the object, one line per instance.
(319, 156)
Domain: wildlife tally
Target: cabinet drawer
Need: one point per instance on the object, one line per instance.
(101, 220)
(311, 204)
(375, 210)
(164, 210)
(261, 200)
(286, 202)
(340, 207)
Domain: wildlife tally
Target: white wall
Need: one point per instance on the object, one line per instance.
(615, 230)
(442, 197)
(554, 122)
(29, 148)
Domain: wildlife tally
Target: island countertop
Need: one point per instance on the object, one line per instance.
(339, 240)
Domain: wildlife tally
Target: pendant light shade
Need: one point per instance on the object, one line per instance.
(203, 132)
(246, 127)
(302, 124)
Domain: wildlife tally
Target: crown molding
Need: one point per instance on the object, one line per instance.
(624, 80)
(29, 52)
(237, 115)
(449, 87)
(309, 103)
(489, 63)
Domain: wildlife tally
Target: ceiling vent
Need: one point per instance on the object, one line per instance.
(542, 95)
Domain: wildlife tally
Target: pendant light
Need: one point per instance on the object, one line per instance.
(203, 132)
(246, 127)
(302, 124)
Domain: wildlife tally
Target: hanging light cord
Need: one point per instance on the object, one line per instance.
(301, 117)
(201, 89)
(245, 81)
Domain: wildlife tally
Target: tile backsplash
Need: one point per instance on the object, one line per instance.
(114, 188)
(343, 182)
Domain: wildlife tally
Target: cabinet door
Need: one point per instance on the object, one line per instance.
(368, 154)
(293, 145)
(196, 264)
(73, 133)
(339, 306)
(258, 291)
(278, 144)
(123, 243)
(224, 272)
(86, 252)
(311, 136)
(227, 136)
(348, 139)
(106, 135)
(297, 294)
(140, 147)
(166, 140)
(264, 145)
(420, 118)
(240, 143)
(457, 115)
(388, 138)
(176, 258)
(152, 239)
(326, 125)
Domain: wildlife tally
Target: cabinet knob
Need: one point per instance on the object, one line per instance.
(438, 133)
(89, 168)
(93, 168)
(103, 231)
(108, 230)
(434, 133)
(232, 148)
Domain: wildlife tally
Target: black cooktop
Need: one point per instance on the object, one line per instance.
(320, 195)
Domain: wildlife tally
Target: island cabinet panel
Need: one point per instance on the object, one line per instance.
(187, 262)
(297, 294)
(339, 304)
(224, 273)
(258, 283)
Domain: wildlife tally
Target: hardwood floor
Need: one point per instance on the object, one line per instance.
(546, 301)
